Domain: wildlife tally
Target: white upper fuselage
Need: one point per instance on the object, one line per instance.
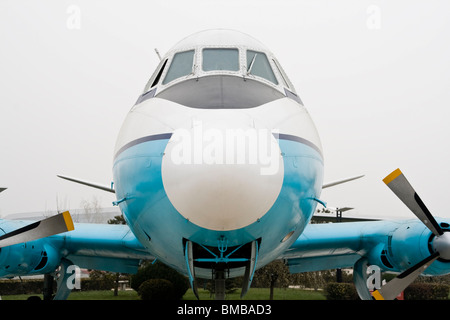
(218, 146)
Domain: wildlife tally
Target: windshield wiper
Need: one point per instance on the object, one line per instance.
(251, 64)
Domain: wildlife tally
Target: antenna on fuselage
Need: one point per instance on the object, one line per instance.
(157, 53)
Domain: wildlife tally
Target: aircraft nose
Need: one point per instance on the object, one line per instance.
(222, 175)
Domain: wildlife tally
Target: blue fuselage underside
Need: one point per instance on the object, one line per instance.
(161, 228)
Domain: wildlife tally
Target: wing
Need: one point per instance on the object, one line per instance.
(92, 246)
(394, 246)
(337, 245)
(103, 247)
(57, 247)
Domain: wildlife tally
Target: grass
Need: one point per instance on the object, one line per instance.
(253, 294)
(85, 295)
(262, 294)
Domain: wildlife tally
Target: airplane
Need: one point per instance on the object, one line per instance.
(218, 169)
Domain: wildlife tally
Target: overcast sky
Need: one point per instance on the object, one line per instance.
(374, 75)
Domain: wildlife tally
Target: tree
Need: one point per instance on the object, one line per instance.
(156, 289)
(91, 210)
(274, 273)
(316, 279)
(117, 220)
(159, 270)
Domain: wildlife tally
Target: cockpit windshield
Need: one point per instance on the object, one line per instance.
(220, 59)
(228, 60)
(218, 63)
(258, 65)
(182, 65)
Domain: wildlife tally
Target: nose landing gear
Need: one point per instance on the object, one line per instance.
(219, 259)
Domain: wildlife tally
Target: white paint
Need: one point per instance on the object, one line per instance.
(155, 116)
(220, 196)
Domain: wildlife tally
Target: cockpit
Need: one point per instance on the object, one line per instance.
(196, 64)
(210, 61)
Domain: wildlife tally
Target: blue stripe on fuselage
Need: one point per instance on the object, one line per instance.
(161, 229)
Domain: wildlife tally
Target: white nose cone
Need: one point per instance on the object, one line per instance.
(442, 245)
(222, 178)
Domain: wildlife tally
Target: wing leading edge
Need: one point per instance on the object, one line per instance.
(104, 247)
(335, 245)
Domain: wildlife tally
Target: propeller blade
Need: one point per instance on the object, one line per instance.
(398, 183)
(394, 287)
(56, 224)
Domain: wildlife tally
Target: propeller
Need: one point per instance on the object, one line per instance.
(56, 224)
(398, 183)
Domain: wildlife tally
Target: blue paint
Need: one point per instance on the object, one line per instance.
(392, 245)
(323, 203)
(150, 214)
(222, 247)
(116, 203)
(98, 246)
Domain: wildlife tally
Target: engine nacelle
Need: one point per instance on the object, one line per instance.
(408, 244)
(34, 257)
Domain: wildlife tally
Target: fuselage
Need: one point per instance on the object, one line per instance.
(219, 151)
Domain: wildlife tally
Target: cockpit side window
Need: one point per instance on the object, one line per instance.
(283, 75)
(220, 59)
(258, 65)
(181, 65)
(153, 81)
(158, 76)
